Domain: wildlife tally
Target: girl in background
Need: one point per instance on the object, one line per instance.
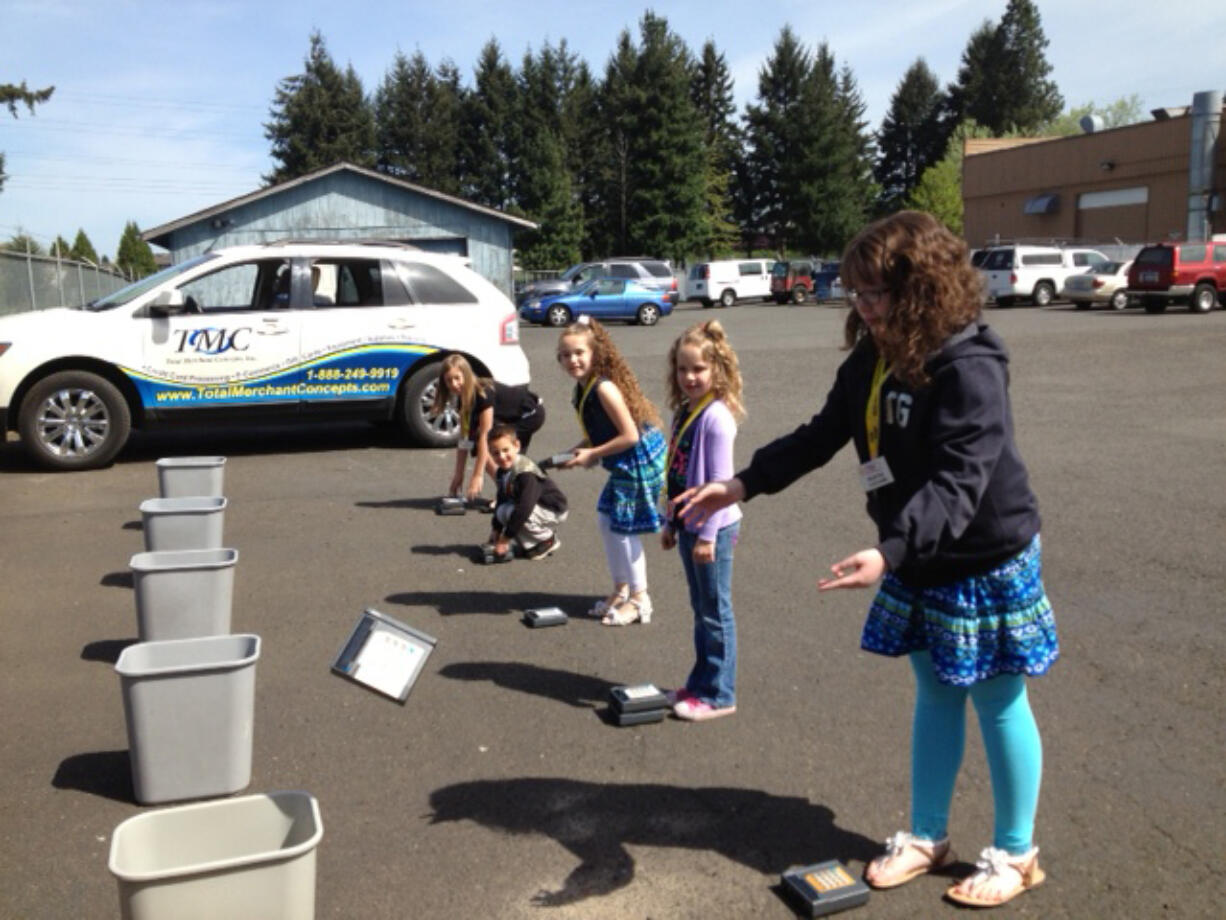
(621, 431)
(482, 402)
(704, 391)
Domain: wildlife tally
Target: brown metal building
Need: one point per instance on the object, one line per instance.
(1126, 185)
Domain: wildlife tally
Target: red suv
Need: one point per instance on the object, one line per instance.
(1191, 273)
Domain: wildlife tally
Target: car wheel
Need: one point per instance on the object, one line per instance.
(1204, 298)
(418, 420)
(648, 314)
(1043, 294)
(557, 315)
(1004, 301)
(1155, 305)
(74, 420)
(1081, 304)
(727, 298)
(1119, 300)
(798, 294)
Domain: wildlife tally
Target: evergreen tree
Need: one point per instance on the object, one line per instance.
(60, 248)
(82, 249)
(418, 118)
(134, 258)
(22, 242)
(973, 94)
(1028, 98)
(13, 93)
(910, 139)
(487, 118)
(711, 89)
(587, 152)
(319, 117)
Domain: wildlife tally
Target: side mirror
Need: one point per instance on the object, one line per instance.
(592, 293)
(168, 303)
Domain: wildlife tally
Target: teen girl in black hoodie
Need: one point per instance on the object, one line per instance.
(923, 396)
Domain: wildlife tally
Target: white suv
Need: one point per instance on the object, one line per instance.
(281, 331)
(1034, 273)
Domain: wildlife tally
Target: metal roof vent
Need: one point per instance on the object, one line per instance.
(1091, 123)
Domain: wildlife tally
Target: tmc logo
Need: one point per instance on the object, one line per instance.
(212, 341)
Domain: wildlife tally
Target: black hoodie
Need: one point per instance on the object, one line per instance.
(960, 503)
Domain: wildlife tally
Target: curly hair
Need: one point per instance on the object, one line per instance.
(608, 362)
(934, 291)
(468, 390)
(713, 345)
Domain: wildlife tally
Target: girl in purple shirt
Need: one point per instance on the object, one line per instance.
(704, 385)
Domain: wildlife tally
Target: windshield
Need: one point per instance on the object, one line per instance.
(780, 270)
(135, 289)
(584, 288)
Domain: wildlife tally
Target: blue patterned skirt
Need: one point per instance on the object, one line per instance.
(631, 497)
(996, 623)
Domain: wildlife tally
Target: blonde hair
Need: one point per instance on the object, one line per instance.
(468, 389)
(608, 362)
(711, 341)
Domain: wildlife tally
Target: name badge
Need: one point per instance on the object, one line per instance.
(465, 445)
(875, 474)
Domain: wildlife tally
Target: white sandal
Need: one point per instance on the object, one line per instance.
(635, 609)
(936, 853)
(1003, 874)
(602, 606)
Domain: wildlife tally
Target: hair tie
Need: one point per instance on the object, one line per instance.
(584, 320)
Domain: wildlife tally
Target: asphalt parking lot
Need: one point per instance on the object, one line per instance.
(497, 790)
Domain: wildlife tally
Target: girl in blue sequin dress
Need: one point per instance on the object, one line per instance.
(923, 395)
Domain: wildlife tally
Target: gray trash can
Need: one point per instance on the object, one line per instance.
(190, 709)
(183, 477)
(183, 523)
(248, 858)
(183, 593)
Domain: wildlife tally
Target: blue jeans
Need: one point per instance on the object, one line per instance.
(713, 679)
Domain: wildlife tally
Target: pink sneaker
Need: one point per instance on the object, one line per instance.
(696, 710)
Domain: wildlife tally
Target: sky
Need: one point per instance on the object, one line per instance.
(159, 108)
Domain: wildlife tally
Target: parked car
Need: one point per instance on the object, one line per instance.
(604, 299)
(1191, 273)
(1034, 273)
(1105, 283)
(728, 281)
(656, 274)
(797, 280)
(281, 331)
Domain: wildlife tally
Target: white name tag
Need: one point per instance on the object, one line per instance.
(465, 445)
(875, 474)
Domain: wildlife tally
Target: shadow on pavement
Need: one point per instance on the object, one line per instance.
(423, 504)
(118, 580)
(579, 690)
(104, 773)
(491, 603)
(595, 822)
(469, 551)
(107, 650)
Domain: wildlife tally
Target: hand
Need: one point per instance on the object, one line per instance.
(704, 552)
(668, 538)
(501, 545)
(584, 457)
(694, 506)
(457, 481)
(859, 570)
(474, 487)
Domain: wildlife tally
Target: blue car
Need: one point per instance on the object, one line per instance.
(602, 298)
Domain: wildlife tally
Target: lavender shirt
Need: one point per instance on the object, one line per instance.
(711, 460)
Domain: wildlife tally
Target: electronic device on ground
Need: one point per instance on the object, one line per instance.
(824, 888)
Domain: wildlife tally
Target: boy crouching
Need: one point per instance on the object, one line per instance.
(529, 504)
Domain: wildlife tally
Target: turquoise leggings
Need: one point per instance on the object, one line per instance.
(1010, 739)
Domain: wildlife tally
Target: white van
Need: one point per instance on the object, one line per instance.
(1034, 273)
(729, 280)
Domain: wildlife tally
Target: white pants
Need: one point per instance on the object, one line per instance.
(624, 552)
(538, 527)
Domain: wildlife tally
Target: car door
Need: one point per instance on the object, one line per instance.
(606, 300)
(232, 345)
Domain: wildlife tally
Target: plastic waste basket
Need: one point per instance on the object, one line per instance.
(247, 858)
(190, 710)
(182, 477)
(183, 593)
(183, 523)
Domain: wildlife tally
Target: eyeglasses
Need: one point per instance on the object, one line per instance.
(869, 297)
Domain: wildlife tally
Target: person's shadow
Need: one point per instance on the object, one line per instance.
(595, 822)
(491, 603)
(581, 691)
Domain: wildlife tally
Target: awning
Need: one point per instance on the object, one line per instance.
(1042, 204)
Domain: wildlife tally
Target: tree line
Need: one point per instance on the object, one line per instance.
(651, 156)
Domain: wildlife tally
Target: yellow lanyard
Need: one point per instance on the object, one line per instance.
(694, 413)
(579, 409)
(872, 411)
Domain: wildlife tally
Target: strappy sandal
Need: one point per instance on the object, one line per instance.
(632, 610)
(936, 855)
(604, 605)
(998, 872)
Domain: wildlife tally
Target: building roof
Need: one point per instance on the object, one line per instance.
(976, 145)
(153, 235)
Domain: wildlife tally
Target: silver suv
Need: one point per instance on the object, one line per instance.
(655, 274)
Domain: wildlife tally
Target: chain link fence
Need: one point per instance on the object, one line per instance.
(32, 282)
